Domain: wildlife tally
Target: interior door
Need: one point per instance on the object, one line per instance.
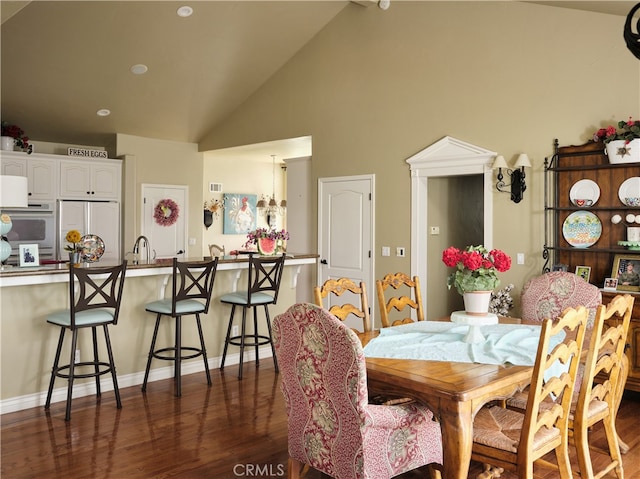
(345, 234)
(165, 241)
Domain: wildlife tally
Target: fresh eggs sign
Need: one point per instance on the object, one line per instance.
(87, 153)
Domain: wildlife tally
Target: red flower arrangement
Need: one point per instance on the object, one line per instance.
(476, 268)
(628, 130)
(19, 138)
(166, 212)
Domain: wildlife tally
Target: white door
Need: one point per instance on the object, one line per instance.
(345, 234)
(165, 241)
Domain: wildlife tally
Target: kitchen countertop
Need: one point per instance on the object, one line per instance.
(54, 273)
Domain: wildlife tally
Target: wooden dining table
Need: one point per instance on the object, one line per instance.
(454, 391)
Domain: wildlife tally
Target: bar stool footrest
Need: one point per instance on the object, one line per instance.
(108, 368)
(196, 353)
(258, 340)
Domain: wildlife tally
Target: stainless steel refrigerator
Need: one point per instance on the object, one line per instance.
(98, 218)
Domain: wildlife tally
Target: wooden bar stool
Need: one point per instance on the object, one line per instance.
(263, 284)
(191, 294)
(94, 296)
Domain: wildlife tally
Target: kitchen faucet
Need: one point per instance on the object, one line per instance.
(145, 243)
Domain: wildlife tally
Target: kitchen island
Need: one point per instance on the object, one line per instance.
(28, 343)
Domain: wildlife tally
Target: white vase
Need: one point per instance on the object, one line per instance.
(6, 143)
(476, 303)
(619, 151)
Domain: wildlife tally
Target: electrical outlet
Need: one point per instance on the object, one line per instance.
(234, 330)
(77, 358)
(434, 230)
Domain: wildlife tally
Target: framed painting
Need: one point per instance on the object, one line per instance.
(239, 213)
(626, 269)
(29, 255)
(584, 272)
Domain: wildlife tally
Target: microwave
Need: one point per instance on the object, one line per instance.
(35, 224)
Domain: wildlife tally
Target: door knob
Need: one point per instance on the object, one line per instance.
(323, 261)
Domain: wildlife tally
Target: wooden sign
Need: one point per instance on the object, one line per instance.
(87, 153)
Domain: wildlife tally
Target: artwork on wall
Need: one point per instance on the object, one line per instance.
(239, 213)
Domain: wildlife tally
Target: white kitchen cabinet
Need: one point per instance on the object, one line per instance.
(90, 180)
(41, 173)
(100, 218)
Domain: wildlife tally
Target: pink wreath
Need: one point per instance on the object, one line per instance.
(166, 212)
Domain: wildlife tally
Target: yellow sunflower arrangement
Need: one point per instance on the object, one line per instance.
(73, 237)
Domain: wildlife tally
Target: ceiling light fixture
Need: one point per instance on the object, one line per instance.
(139, 69)
(103, 112)
(185, 11)
(271, 208)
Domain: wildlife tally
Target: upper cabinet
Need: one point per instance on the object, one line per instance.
(41, 174)
(90, 180)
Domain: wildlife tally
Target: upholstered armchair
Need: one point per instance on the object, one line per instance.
(331, 426)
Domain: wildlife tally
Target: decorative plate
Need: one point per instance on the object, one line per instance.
(582, 229)
(630, 188)
(584, 193)
(92, 248)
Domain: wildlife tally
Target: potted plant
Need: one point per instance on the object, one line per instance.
(74, 248)
(268, 241)
(17, 136)
(476, 274)
(622, 142)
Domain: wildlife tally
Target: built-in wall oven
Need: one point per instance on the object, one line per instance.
(35, 224)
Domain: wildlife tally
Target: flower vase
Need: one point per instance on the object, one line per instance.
(476, 303)
(74, 258)
(619, 151)
(6, 143)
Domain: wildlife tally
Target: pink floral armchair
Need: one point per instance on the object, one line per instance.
(332, 428)
(547, 295)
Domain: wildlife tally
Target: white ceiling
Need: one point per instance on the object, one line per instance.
(61, 61)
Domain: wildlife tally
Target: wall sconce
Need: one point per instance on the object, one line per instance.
(518, 184)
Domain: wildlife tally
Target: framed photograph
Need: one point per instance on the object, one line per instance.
(584, 272)
(626, 269)
(560, 267)
(610, 284)
(29, 255)
(239, 214)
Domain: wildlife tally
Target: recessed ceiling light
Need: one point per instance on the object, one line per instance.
(185, 11)
(103, 112)
(139, 69)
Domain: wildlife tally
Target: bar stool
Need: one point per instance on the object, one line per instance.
(191, 294)
(95, 295)
(263, 284)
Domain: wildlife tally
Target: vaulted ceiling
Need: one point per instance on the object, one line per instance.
(62, 61)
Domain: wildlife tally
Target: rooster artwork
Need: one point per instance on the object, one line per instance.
(240, 213)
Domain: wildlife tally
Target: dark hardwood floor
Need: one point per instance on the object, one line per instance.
(232, 429)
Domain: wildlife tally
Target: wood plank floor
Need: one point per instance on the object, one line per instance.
(232, 429)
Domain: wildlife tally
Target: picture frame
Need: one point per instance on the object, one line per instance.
(240, 213)
(584, 272)
(626, 269)
(610, 284)
(29, 255)
(560, 267)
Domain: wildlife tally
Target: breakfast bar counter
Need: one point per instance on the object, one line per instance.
(28, 342)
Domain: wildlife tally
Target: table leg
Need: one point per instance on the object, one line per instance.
(456, 424)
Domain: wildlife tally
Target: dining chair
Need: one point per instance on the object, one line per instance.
(263, 284)
(95, 296)
(407, 299)
(192, 285)
(514, 440)
(547, 295)
(331, 426)
(348, 288)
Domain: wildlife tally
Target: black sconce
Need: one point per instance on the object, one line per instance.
(208, 218)
(518, 184)
(632, 38)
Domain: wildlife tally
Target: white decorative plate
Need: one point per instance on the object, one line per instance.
(92, 248)
(583, 192)
(582, 229)
(630, 188)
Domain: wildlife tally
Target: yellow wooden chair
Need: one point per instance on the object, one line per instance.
(340, 287)
(402, 303)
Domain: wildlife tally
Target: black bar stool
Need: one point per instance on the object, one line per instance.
(191, 294)
(263, 284)
(95, 295)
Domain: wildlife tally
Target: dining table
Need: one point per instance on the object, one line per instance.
(453, 390)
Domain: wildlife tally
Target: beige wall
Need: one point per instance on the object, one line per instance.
(375, 87)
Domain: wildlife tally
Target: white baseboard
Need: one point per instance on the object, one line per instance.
(89, 388)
